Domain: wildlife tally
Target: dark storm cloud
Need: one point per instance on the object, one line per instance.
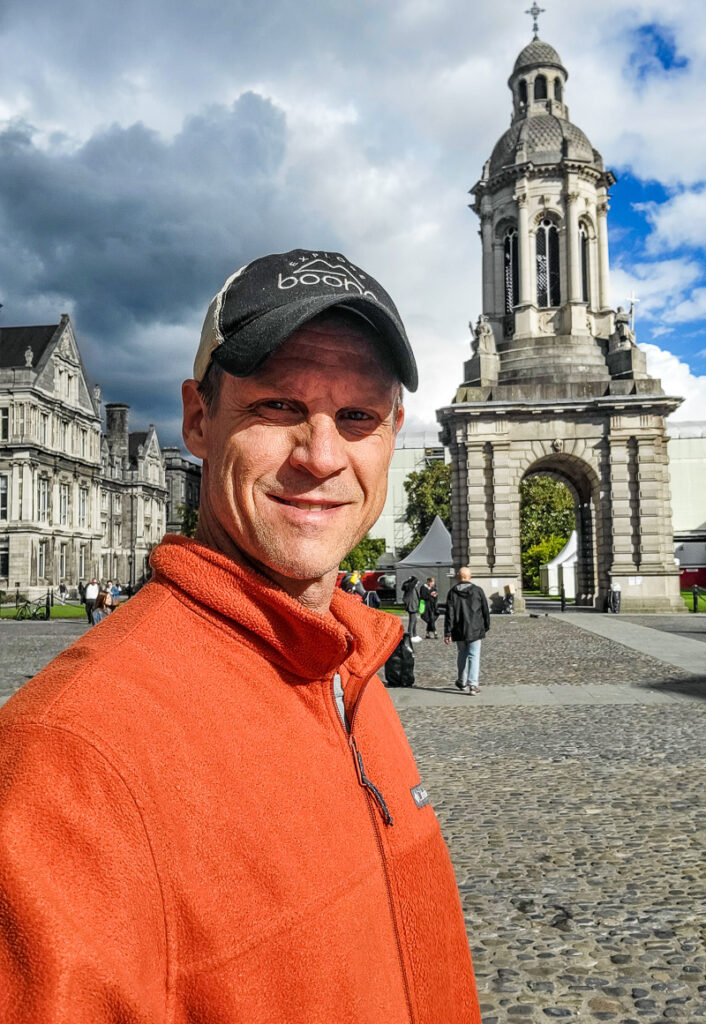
(135, 233)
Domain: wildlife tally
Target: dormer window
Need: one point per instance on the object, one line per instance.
(540, 87)
(523, 91)
(557, 90)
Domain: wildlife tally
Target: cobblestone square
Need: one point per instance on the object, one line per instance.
(570, 792)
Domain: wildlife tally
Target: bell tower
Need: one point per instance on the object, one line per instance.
(555, 382)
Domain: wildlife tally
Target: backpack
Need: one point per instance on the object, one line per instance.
(399, 667)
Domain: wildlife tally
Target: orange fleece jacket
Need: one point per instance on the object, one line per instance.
(189, 834)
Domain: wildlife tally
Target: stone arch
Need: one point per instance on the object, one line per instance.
(567, 462)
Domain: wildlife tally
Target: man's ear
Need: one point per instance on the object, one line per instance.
(193, 424)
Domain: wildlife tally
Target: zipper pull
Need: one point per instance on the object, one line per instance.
(370, 786)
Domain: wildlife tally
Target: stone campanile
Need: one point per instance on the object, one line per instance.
(555, 383)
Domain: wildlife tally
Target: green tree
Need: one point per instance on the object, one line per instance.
(189, 520)
(364, 555)
(537, 555)
(428, 495)
(546, 510)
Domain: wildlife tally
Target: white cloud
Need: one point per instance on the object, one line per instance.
(661, 287)
(679, 380)
(679, 221)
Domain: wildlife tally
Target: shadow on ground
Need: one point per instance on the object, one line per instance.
(690, 686)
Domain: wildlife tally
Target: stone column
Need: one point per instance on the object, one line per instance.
(623, 561)
(573, 247)
(459, 483)
(603, 260)
(14, 510)
(486, 234)
(476, 508)
(523, 231)
(653, 526)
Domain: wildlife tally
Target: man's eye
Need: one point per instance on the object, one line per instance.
(356, 414)
(278, 405)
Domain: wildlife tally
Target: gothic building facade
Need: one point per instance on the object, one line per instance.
(556, 384)
(74, 502)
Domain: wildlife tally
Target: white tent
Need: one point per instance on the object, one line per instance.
(431, 557)
(561, 570)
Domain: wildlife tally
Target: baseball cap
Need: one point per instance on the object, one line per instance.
(261, 304)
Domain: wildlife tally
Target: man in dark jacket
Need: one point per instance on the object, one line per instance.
(410, 601)
(467, 621)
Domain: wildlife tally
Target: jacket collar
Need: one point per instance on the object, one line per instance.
(265, 618)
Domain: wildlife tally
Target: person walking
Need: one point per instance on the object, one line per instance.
(466, 622)
(89, 598)
(410, 601)
(429, 595)
(100, 608)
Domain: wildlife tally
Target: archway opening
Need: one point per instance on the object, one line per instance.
(558, 525)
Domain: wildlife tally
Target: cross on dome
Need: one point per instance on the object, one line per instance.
(534, 11)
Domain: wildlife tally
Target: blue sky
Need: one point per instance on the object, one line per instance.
(148, 149)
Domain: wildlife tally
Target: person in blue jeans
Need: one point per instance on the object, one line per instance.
(466, 622)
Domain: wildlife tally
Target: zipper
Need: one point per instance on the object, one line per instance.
(374, 795)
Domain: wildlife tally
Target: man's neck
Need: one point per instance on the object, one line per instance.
(312, 594)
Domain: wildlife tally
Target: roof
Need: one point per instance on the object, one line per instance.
(14, 342)
(538, 53)
(434, 549)
(546, 138)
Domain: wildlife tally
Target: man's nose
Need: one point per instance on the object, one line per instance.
(319, 448)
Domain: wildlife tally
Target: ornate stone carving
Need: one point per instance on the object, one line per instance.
(547, 323)
(483, 338)
(29, 356)
(557, 445)
(623, 337)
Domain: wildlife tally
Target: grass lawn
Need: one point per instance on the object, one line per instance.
(59, 611)
(689, 601)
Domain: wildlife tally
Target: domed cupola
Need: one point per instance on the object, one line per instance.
(543, 201)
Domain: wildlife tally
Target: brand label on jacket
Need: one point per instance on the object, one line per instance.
(421, 797)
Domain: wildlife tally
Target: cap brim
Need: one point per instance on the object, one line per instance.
(255, 341)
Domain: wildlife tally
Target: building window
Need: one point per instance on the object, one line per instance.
(540, 87)
(523, 92)
(84, 443)
(82, 562)
(512, 270)
(82, 506)
(104, 501)
(583, 239)
(62, 561)
(43, 499)
(42, 559)
(4, 424)
(4, 559)
(548, 281)
(557, 89)
(63, 504)
(4, 488)
(117, 503)
(43, 428)
(117, 535)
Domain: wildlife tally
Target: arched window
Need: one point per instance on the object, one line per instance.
(583, 240)
(523, 91)
(512, 270)
(557, 89)
(540, 87)
(548, 283)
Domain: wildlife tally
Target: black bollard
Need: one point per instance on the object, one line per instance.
(563, 598)
(47, 606)
(695, 595)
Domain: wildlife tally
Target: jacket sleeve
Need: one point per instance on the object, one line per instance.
(82, 924)
(449, 615)
(486, 611)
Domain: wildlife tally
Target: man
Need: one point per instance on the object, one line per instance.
(467, 620)
(429, 595)
(208, 808)
(410, 603)
(89, 597)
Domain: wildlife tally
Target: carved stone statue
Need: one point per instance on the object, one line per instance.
(29, 356)
(623, 337)
(484, 339)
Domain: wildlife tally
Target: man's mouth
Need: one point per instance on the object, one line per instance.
(307, 506)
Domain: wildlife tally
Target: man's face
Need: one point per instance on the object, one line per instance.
(296, 456)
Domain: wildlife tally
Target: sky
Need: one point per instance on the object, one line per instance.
(148, 149)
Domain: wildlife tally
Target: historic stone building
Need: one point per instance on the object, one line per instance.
(73, 503)
(183, 486)
(555, 383)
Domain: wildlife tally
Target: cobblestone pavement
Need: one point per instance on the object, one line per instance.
(577, 832)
